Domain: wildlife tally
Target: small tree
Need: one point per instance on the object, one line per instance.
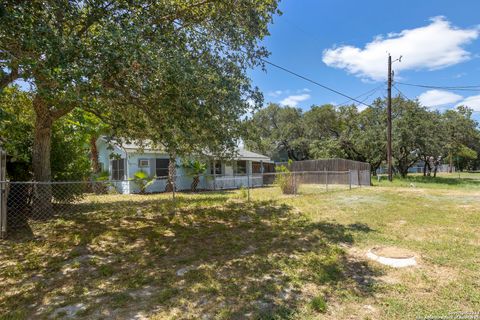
(285, 180)
(142, 180)
(194, 169)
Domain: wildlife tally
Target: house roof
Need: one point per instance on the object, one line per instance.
(148, 147)
(249, 155)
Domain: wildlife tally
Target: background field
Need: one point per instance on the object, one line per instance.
(217, 256)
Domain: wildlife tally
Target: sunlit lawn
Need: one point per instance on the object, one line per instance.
(218, 256)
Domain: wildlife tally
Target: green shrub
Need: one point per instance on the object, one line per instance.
(142, 180)
(285, 180)
(194, 169)
(318, 304)
(243, 192)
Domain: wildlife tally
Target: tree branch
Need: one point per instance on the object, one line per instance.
(6, 79)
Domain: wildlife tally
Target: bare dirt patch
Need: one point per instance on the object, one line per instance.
(393, 252)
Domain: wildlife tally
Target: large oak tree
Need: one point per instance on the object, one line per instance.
(134, 64)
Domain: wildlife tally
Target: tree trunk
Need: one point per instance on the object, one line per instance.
(42, 197)
(402, 168)
(172, 172)
(94, 155)
(195, 182)
(41, 148)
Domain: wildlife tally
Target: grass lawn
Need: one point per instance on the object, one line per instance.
(217, 256)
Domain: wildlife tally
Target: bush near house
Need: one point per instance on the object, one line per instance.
(285, 180)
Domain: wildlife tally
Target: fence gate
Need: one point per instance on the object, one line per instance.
(3, 193)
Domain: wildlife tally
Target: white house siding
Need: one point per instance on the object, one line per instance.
(227, 180)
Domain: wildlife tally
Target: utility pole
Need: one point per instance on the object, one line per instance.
(389, 120)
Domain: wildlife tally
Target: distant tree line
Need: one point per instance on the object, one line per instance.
(326, 131)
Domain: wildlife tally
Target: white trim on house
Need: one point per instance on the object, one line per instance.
(133, 157)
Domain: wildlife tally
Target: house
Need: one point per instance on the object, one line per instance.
(123, 160)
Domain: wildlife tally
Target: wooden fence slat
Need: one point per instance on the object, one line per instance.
(360, 170)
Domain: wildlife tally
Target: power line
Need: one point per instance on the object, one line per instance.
(369, 93)
(453, 88)
(313, 81)
(286, 70)
(400, 92)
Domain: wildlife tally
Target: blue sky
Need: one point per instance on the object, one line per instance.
(344, 44)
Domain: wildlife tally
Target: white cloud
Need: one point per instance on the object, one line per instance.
(438, 98)
(472, 102)
(441, 99)
(435, 46)
(294, 100)
(275, 93)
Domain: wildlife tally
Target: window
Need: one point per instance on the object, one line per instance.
(257, 167)
(143, 163)
(118, 169)
(216, 167)
(240, 167)
(161, 167)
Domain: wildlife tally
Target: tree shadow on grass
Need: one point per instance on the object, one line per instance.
(227, 258)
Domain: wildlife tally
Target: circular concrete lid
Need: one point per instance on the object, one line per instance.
(392, 256)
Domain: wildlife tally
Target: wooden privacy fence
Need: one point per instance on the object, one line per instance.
(359, 171)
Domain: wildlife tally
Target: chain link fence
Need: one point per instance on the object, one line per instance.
(27, 202)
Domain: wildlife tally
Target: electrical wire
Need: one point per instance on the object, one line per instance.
(368, 93)
(400, 92)
(286, 70)
(313, 81)
(453, 88)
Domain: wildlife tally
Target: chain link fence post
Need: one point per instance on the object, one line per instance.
(326, 180)
(248, 187)
(350, 179)
(295, 183)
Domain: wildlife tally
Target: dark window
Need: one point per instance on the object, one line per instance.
(216, 167)
(118, 169)
(257, 167)
(161, 168)
(240, 167)
(268, 167)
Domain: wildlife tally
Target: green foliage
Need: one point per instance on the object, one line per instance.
(243, 192)
(145, 68)
(194, 169)
(467, 153)
(285, 180)
(278, 132)
(142, 180)
(16, 126)
(346, 132)
(327, 148)
(69, 157)
(102, 176)
(318, 304)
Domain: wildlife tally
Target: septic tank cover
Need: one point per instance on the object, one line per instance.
(392, 256)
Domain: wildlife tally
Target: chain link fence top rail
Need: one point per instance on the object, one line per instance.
(26, 201)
